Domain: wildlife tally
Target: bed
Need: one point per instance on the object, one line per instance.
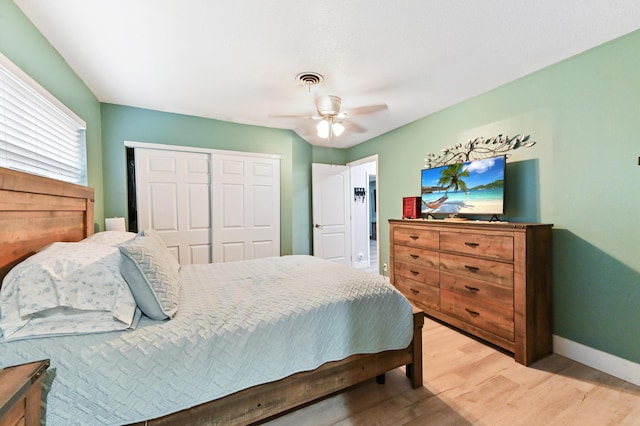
(36, 212)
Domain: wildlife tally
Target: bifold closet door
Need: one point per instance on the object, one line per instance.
(246, 207)
(174, 198)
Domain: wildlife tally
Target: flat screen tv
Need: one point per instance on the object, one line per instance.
(471, 188)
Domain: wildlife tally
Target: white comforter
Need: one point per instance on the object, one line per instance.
(239, 324)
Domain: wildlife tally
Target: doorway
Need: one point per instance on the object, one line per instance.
(373, 225)
(364, 213)
(352, 194)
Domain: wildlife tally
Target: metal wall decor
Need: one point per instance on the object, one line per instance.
(478, 148)
(359, 194)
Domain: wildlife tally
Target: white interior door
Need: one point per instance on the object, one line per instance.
(173, 197)
(331, 212)
(246, 207)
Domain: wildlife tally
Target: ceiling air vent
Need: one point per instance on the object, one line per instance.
(309, 78)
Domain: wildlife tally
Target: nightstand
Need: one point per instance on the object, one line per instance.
(20, 393)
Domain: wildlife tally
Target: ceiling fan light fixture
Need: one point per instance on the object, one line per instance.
(323, 128)
(337, 128)
(330, 120)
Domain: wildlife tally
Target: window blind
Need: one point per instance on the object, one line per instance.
(38, 134)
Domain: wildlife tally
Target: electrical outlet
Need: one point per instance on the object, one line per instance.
(385, 268)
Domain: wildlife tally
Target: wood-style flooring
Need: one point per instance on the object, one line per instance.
(469, 383)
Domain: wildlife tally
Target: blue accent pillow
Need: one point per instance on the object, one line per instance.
(150, 232)
(152, 274)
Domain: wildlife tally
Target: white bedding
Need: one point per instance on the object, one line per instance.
(66, 288)
(238, 324)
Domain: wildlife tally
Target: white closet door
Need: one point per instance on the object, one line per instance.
(173, 196)
(246, 207)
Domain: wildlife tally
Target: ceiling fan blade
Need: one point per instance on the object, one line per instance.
(292, 116)
(369, 109)
(350, 126)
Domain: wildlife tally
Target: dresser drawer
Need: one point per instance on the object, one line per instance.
(486, 270)
(417, 273)
(421, 238)
(477, 290)
(489, 317)
(418, 293)
(416, 256)
(493, 246)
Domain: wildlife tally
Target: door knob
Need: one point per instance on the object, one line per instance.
(317, 225)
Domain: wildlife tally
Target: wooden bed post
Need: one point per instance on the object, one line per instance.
(89, 217)
(414, 370)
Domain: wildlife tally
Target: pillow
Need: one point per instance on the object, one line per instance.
(155, 235)
(150, 232)
(111, 238)
(63, 321)
(152, 274)
(68, 278)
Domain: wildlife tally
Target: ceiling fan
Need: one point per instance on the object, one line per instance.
(333, 122)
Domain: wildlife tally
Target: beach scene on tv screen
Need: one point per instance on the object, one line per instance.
(474, 187)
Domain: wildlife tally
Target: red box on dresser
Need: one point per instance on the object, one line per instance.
(411, 207)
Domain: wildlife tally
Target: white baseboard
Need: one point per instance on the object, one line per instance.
(610, 364)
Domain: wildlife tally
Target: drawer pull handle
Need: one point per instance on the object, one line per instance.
(474, 245)
(472, 313)
(414, 237)
(472, 268)
(415, 273)
(414, 291)
(414, 256)
(474, 289)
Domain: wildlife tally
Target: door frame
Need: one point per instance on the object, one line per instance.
(371, 159)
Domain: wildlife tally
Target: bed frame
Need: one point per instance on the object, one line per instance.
(36, 211)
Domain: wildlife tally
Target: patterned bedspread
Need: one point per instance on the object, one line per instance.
(238, 325)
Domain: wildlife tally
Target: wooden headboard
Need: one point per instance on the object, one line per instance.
(36, 211)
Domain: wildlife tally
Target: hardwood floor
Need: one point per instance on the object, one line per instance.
(469, 383)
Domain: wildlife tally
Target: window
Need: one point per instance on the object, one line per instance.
(38, 134)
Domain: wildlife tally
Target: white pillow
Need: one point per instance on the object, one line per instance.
(62, 280)
(111, 238)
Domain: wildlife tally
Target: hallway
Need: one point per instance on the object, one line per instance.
(373, 250)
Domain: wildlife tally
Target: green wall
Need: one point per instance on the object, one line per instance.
(25, 46)
(301, 196)
(325, 155)
(121, 123)
(582, 175)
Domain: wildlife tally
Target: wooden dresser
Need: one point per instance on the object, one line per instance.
(490, 279)
(20, 394)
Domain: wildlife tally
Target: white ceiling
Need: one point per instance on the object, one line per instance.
(237, 60)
